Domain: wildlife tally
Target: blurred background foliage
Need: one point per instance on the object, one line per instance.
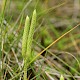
(54, 18)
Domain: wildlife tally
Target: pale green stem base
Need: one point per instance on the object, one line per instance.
(25, 71)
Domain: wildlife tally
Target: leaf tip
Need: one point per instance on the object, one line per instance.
(34, 12)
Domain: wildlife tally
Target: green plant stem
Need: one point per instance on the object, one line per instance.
(30, 38)
(31, 33)
(24, 45)
(27, 42)
(25, 70)
(25, 37)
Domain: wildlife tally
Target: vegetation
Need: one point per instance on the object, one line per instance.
(27, 42)
(43, 46)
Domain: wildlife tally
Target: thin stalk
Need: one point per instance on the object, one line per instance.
(54, 42)
(2, 36)
(24, 44)
(30, 37)
(27, 42)
(25, 70)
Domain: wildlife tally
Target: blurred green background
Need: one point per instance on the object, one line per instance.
(54, 18)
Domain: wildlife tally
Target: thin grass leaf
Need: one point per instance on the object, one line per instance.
(54, 42)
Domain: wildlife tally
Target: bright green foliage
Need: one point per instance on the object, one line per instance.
(25, 37)
(31, 33)
(27, 41)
